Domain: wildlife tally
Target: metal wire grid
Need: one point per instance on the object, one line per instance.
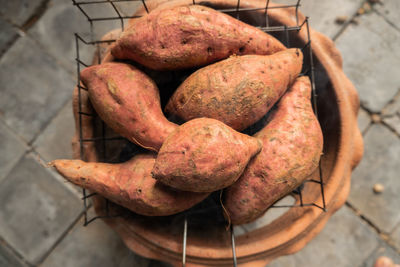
(285, 30)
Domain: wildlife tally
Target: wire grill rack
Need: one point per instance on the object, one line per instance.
(282, 31)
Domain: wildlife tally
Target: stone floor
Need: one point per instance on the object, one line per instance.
(41, 216)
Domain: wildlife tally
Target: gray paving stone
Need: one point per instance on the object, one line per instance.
(383, 250)
(395, 235)
(7, 258)
(12, 149)
(57, 36)
(346, 241)
(35, 209)
(390, 10)
(371, 64)
(7, 34)
(96, 245)
(379, 165)
(33, 87)
(393, 122)
(363, 119)
(19, 11)
(323, 14)
(393, 107)
(55, 141)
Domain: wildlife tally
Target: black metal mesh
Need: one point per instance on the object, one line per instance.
(282, 32)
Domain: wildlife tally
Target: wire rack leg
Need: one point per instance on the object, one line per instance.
(233, 247)
(184, 242)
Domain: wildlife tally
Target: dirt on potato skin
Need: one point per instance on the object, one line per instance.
(204, 155)
(189, 36)
(239, 90)
(129, 184)
(128, 101)
(292, 147)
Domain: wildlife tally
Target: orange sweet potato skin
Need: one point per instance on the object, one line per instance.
(237, 91)
(128, 102)
(204, 155)
(129, 184)
(190, 36)
(292, 146)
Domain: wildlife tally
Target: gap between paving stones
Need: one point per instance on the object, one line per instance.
(36, 16)
(348, 22)
(386, 19)
(14, 252)
(52, 118)
(385, 237)
(12, 41)
(67, 184)
(21, 30)
(382, 115)
(63, 235)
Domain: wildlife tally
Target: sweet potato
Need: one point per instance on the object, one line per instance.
(237, 91)
(190, 36)
(129, 184)
(204, 155)
(292, 146)
(129, 102)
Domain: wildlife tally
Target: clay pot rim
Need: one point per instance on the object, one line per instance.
(312, 219)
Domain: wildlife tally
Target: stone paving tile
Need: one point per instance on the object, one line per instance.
(7, 258)
(55, 141)
(395, 235)
(57, 36)
(380, 164)
(19, 11)
(324, 13)
(393, 122)
(33, 87)
(12, 149)
(35, 209)
(363, 119)
(7, 34)
(345, 241)
(370, 64)
(393, 107)
(104, 10)
(390, 10)
(383, 250)
(96, 245)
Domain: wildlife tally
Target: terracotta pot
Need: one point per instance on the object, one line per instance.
(338, 104)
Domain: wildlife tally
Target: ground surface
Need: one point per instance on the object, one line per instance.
(41, 214)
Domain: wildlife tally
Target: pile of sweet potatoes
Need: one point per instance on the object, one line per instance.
(233, 76)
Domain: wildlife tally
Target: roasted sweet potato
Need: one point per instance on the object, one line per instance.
(237, 91)
(129, 184)
(190, 36)
(204, 155)
(292, 146)
(129, 102)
